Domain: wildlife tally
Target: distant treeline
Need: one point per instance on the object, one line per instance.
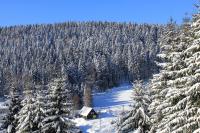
(102, 54)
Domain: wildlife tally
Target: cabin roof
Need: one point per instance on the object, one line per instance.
(85, 111)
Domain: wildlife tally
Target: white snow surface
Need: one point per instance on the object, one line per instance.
(109, 105)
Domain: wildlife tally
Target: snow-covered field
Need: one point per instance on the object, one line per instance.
(110, 105)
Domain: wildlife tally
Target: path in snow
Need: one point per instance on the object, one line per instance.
(110, 104)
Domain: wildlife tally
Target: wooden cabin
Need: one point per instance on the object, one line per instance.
(88, 113)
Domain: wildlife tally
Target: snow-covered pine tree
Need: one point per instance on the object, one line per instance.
(173, 89)
(39, 104)
(137, 118)
(14, 107)
(159, 83)
(58, 109)
(25, 116)
(184, 96)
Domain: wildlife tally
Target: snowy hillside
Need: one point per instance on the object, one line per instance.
(110, 104)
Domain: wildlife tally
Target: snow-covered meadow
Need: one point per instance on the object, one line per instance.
(109, 105)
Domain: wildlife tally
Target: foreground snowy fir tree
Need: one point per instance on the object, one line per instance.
(58, 109)
(178, 109)
(14, 107)
(39, 110)
(159, 83)
(138, 118)
(26, 116)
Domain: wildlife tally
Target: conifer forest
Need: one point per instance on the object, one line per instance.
(101, 77)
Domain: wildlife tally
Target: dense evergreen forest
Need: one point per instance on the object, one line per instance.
(48, 72)
(101, 54)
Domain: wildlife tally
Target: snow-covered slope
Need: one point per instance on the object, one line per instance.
(110, 105)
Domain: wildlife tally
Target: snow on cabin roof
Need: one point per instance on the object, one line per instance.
(85, 111)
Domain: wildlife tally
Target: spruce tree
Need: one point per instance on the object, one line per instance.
(179, 104)
(174, 90)
(38, 113)
(183, 115)
(14, 107)
(26, 114)
(138, 117)
(58, 109)
(159, 83)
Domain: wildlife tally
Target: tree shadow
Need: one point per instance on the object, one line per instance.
(85, 128)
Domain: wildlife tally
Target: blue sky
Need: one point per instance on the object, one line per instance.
(16, 12)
